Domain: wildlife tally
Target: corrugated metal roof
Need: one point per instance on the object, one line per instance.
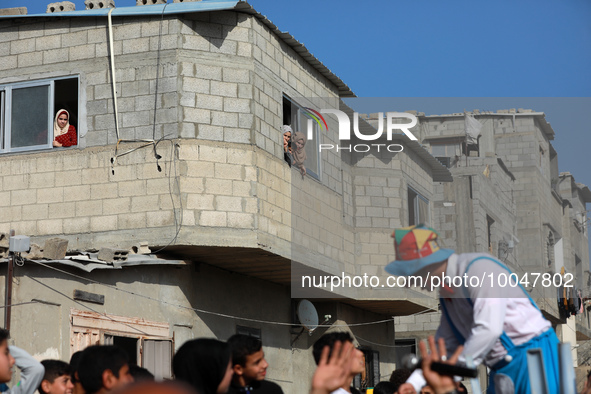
(206, 6)
(157, 9)
(89, 261)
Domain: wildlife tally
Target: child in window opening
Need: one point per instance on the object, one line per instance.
(299, 153)
(64, 134)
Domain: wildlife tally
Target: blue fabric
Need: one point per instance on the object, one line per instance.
(517, 368)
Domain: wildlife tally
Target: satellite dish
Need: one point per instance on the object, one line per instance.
(308, 315)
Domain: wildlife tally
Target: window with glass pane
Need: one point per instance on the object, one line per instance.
(312, 165)
(418, 208)
(29, 117)
(27, 113)
(445, 150)
(2, 112)
(297, 118)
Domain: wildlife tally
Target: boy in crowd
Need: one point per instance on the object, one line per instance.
(103, 369)
(250, 367)
(57, 378)
(31, 369)
(356, 358)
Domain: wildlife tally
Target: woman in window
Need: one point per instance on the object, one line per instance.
(64, 134)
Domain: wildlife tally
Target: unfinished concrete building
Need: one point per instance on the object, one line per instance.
(508, 199)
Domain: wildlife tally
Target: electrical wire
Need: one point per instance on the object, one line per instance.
(393, 346)
(177, 222)
(197, 309)
(158, 75)
(86, 306)
(19, 304)
(178, 216)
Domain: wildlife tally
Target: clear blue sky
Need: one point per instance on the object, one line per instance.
(458, 48)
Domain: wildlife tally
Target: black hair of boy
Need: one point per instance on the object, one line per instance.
(329, 340)
(74, 362)
(399, 376)
(97, 359)
(384, 388)
(242, 346)
(4, 335)
(53, 370)
(140, 374)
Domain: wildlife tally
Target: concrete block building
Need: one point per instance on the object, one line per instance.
(178, 177)
(508, 199)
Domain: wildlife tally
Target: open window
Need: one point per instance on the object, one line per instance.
(371, 373)
(250, 331)
(418, 208)
(404, 347)
(301, 120)
(489, 234)
(446, 152)
(550, 243)
(27, 112)
(147, 343)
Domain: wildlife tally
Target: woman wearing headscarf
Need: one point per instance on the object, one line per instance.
(205, 364)
(287, 144)
(64, 134)
(299, 151)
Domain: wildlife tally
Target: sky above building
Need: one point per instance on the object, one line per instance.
(487, 56)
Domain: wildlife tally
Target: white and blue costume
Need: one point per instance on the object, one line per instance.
(496, 325)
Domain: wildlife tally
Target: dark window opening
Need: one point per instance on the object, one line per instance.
(66, 97)
(579, 271)
(286, 111)
(468, 148)
(287, 121)
(129, 345)
(550, 242)
(489, 224)
(404, 347)
(250, 331)
(371, 374)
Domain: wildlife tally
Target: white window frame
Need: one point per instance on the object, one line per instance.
(6, 113)
(91, 328)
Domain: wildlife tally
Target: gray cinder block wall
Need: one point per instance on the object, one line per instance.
(524, 195)
(215, 84)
